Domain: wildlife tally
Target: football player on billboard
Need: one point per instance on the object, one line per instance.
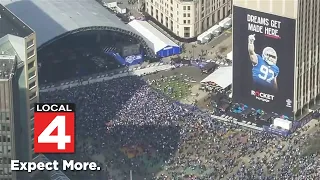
(264, 68)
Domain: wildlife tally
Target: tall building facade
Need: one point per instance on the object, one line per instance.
(188, 18)
(18, 91)
(307, 50)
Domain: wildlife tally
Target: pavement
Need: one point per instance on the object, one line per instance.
(132, 6)
(155, 67)
(221, 45)
(191, 71)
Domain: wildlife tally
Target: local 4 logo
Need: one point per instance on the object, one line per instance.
(54, 125)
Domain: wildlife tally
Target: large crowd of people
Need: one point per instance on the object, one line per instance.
(130, 128)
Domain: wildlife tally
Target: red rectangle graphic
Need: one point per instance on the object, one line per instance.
(54, 128)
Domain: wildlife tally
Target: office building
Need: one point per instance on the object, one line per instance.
(306, 53)
(188, 18)
(18, 91)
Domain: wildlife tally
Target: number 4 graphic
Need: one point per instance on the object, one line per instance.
(61, 138)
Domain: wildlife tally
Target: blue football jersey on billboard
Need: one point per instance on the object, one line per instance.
(263, 73)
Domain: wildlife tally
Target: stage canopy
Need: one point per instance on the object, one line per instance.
(222, 77)
(51, 18)
(161, 45)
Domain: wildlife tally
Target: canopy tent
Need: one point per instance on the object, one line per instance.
(226, 22)
(161, 44)
(222, 77)
(282, 123)
(229, 56)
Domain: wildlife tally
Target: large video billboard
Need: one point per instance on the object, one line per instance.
(263, 60)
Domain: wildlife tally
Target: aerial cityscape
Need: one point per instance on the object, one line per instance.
(159, 90)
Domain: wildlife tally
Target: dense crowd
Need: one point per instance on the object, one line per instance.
(125, 125)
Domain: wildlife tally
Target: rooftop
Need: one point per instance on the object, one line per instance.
(56, 17)
(6, 48)
(7, 65)
(10, 24)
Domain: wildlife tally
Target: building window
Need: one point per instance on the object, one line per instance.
(188, 14)
(32, 124)
(30, 54)
(32, 116)
(32, 95)
(31, 74)
(186, 28)
(184, 22)
(5, 116)
(30, 43)
(31, 65)
(32, 85)
(189, 8)
(31, 106)
(5, 139)
(189, 21)
(184, 15)
(187, 35)
(184, 8)
(5, 127)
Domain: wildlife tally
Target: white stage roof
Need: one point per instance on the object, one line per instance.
(51, 18)
(156, 40)
(222, 77)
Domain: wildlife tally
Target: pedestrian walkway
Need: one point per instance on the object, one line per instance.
(101, 78)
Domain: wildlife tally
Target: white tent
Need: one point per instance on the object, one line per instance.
(204, 37)
(283, 123)
(229, 56)
(156, 40)
(215, 30)
(222, 77)
(225, 23)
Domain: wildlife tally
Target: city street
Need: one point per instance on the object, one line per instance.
(221, 45)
